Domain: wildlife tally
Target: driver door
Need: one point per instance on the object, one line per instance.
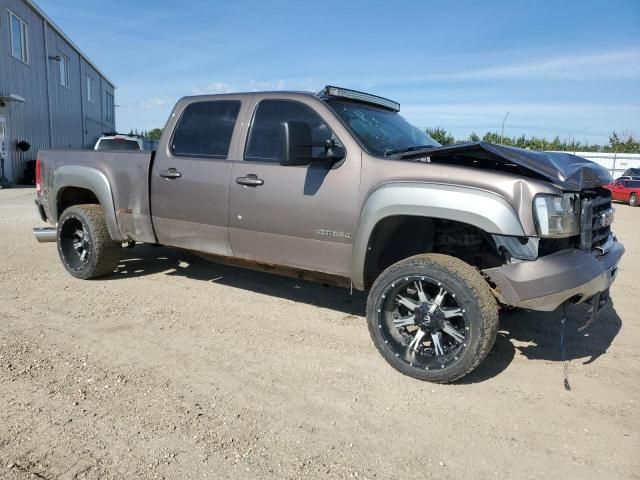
(298, 216)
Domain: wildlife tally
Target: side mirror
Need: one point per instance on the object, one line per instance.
(296, 146)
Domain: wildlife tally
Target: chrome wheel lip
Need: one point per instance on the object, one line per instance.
(421, 357)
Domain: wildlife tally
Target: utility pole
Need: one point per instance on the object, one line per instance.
(502, 133)
(585, 136)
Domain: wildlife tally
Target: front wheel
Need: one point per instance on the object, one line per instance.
(633, 200)
(432, 317)
(84, 244)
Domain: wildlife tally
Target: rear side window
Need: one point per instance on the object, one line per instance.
(264, 139)
(205, 129)
(634, 184)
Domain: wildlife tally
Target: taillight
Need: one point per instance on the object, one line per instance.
(38, 176)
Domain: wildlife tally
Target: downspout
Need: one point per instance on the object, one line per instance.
(46, 63)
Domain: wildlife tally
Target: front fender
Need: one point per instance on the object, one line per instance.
(480, 208)
(81, 176)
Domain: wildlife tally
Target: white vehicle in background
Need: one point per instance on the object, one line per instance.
(116, 141)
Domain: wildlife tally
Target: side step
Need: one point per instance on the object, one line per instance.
(45, 234)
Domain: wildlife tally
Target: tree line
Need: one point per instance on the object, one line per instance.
(620, 143)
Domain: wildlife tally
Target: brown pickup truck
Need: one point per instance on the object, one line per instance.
(338, 184)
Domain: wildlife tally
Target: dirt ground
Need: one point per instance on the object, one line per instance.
(178, 368)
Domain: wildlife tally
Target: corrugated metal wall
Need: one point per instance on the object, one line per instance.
(75, 122)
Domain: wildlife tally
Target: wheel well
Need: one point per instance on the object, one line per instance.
(75, 196)
(398, 237)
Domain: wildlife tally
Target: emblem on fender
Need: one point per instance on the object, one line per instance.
(331, 233)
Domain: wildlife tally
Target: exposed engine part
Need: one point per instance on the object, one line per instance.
(515, 249)
(468, 240)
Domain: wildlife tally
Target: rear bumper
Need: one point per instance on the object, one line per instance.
(548, 282)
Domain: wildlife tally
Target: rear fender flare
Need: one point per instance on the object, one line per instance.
(480, 208)
(80, 176)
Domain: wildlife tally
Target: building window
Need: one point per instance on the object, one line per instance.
(63, 65)
(109, 117)
(19, 43)
(89, 89)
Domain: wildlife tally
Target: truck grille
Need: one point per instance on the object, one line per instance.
(595, 218)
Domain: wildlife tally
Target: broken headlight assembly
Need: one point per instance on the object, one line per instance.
(557, 216)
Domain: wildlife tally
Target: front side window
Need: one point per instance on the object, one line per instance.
(205, 129)
(379, 130)
(264, 141)
(19, 38)
(63, 68)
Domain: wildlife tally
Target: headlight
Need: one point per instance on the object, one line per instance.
(558, 216)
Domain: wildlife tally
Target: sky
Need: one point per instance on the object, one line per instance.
(567, 68)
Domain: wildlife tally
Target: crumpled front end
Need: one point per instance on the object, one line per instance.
(567, 171)
(579, 269)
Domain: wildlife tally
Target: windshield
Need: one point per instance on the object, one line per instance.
(380, 130)
(118, 144)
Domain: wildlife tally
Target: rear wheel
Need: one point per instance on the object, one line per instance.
(84, 244)
(633, 200)
(432, 317)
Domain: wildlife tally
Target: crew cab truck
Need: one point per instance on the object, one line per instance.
(338, 184)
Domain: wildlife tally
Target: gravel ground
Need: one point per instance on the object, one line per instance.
(178, 368)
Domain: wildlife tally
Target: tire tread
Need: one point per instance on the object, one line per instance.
(477, 288)
(106, 251)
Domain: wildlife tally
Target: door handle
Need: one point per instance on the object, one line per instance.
(171, 174)
(250, 180)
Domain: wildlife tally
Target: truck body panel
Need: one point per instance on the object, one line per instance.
(311, 217)
(300, 217)
(120, 180)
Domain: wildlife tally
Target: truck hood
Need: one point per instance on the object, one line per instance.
(567, 171)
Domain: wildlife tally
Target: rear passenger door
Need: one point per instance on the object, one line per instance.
(190, 175)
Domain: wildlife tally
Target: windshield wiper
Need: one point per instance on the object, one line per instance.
(407, 149)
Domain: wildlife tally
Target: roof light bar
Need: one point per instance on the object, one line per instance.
(332, 91)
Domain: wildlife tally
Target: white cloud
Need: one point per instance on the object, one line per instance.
(213, 88)
(614, 64)
(532, 109)
(250, 86)
(156, 102)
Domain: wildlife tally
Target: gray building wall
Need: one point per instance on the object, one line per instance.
(52, 115)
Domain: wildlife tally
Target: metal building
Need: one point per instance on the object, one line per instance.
(51, 94)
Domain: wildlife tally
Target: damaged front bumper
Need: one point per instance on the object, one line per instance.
(546, 283)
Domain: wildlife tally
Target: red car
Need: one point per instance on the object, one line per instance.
(627, 191)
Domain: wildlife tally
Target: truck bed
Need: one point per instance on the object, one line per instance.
(125, 175)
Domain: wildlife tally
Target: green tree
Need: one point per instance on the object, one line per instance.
(154, 134)
(440, 135)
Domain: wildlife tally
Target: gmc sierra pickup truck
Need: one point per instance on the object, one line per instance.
(338, 184)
